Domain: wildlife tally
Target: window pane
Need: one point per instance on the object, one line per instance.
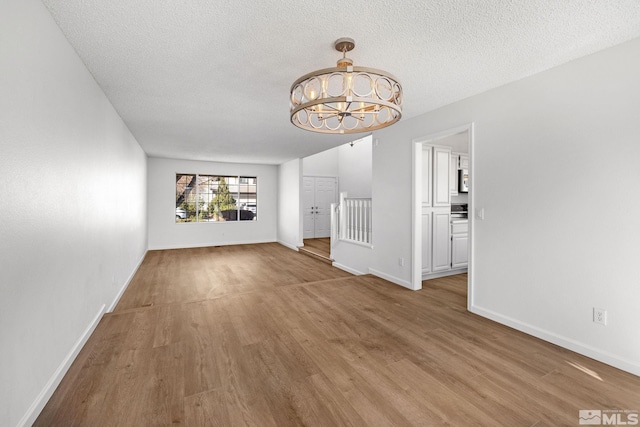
(185, 198)
(248, 198)
(206, 184)
(223, 204)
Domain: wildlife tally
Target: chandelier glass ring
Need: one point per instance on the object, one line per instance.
(345, 99)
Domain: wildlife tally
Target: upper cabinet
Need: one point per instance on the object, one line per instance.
(436, 179)
(441, 167)
(453, 174)
(463, 162)
(427, 176)
(458, 161)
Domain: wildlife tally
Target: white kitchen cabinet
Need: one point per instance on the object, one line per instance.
(426, 242)
(441, 249)
(441, 166)
(453, 174)
(436, 209)
(459, 244)
(436, 243)
(463, 162)
(459, 251)
(458, 161)
(427, 176)
(436, 166)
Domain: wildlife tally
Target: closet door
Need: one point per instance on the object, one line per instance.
(308, 207)
(325, 195)
(318, 193)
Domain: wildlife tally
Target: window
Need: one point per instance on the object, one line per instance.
(216, 198)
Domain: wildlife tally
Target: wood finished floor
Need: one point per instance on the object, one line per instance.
(263, 336)
(320, 246)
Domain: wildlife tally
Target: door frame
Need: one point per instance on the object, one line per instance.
(416, 220)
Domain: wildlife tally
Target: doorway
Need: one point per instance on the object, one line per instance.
(318, 193)
(418, 222)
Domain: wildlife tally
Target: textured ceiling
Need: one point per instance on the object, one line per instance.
(209, 80)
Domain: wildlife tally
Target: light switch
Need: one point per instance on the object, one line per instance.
(480, 213)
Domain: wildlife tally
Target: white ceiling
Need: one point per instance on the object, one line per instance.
(209, 80)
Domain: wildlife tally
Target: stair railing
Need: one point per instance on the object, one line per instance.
(351, 220)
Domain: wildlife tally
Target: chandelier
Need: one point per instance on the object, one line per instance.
(345, 99)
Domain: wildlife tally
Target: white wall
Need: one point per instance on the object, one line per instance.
(354, 167)
(351, 164)
(351, 257)
(321, 164)
(555, 158)
(73, 207)
(354, 175)
(289, 208)
(165, 233)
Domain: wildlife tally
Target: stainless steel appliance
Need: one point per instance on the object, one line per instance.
(463, 181)
(459, 211)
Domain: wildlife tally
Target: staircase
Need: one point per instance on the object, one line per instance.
(318, 249)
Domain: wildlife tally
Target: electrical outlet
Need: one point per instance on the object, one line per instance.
(600, 316)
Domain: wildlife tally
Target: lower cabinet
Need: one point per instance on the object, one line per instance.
(426, 242)
(436, 241)
(441, 249)
(459, 251)
(444, 244)
(459, 244)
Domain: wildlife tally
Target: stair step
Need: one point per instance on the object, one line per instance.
(315, 255)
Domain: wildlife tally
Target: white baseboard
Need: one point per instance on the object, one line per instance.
(290, 246)
(391, 279)
(347, 269)
(43, 397)
(568, 343)
(208, 245)
(126, 284)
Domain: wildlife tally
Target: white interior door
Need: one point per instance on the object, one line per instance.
(308, 207)
(318, 193)
(325, 195)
